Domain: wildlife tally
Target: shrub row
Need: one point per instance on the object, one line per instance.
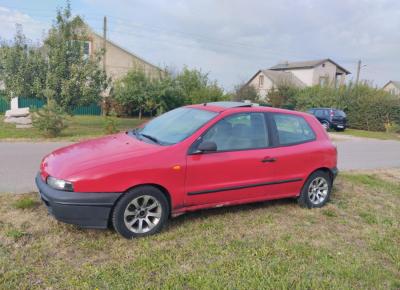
(367, 108)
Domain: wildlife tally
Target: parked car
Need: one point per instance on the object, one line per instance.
(194, 157)
(330, 118)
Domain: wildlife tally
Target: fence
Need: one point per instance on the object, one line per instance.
(4, 105)
(92, 109)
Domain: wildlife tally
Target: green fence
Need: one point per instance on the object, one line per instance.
(34, 103)
(4, 104)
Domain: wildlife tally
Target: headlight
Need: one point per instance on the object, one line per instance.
(60, 184)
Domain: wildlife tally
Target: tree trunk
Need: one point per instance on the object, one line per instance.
(140, 114)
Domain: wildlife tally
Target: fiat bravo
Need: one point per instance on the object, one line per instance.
(194, 157)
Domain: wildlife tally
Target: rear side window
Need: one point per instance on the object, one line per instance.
(292, 129)
(339, 113)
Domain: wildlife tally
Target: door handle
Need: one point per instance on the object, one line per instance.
(268, 159)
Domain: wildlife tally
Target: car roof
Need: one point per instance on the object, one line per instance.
(240, 106)
(325, 109)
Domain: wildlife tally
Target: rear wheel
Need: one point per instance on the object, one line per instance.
(326, 125)
(316, 191)
(140, 212)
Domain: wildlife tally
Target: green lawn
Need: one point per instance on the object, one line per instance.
(353, 242)
(369, 134)
(79, 127)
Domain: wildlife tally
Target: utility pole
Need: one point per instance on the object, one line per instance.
(104, 60)
(358, 71)
(104, 42)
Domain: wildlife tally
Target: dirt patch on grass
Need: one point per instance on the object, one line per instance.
(350, 243)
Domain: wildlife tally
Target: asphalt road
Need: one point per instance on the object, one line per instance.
(19, 161)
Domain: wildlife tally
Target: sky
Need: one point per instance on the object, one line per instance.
(231, 39)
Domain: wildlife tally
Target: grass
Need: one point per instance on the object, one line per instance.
(353, 242)
(369, 134)
(25, 202)
(79, 127)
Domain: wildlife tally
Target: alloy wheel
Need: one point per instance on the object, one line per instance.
(325, 125)
(318, 190)
(142, 214)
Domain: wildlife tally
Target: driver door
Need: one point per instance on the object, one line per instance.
(239, 170)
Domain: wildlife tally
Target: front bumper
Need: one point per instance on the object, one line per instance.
(88, 210)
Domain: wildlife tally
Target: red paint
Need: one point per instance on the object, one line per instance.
(119, 162)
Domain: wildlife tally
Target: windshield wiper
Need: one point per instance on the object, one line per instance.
(154, 139)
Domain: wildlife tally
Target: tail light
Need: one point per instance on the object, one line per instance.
(332, 114)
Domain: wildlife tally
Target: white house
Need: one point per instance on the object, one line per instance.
(265, 80)
(305, 73)
(392, 87)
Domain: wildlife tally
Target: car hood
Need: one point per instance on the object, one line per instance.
(67, 162)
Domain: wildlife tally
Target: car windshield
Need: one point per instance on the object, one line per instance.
(175, 126)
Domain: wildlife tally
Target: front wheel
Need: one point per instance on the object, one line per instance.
(316, 191)
(140, 212)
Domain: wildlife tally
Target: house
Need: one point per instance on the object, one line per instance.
(315, 72)
(300, 74)
(392, 87)
(266, 80)
(118, 60)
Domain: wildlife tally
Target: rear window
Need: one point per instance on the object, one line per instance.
(292, 129)
(339, 113)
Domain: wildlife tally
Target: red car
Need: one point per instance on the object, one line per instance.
(194, 157)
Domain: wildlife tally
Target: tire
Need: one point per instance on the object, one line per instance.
(142, 211)
(316, 191)
(326, 125)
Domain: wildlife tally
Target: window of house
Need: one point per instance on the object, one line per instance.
(292, 129)
(261, 81)
(239, 132)
(86, 49)
(323, 81)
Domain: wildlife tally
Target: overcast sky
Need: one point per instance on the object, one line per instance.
(232, 39)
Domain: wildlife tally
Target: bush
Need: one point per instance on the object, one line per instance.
(50, 120)
(392, 128)
(367, 108)
(138, 93)
(244, 92)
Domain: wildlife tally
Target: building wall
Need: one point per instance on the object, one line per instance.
(312, 76)
(391, 88)
(305, 75)
(325, 70)
(265, 88)
(120, 61)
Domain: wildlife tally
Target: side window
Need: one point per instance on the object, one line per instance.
(239, 132)
(292, 129)
(319, 113)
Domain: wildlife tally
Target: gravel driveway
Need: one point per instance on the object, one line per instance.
(19, 161)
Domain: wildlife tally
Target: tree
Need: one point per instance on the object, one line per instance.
(245, 92)
(133, 93)
(196, 87)
(75, 78)
(138, 93)
(283, 96)
(22, 67)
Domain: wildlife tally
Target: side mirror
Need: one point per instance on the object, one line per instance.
(207, 146)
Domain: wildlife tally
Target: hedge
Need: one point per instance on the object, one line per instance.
(367, 108)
